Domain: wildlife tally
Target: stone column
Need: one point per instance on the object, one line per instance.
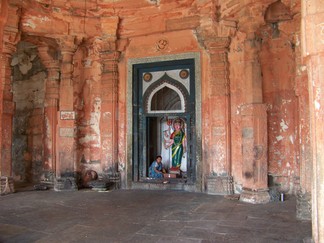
(255, 154)
(92, 90)
(219, 181)
(9, 38)
(112, 137)
(65, 139)
(109, 121)
(303, 194)
(51, 109)
(6, 110)
(254, 129)
(313, 54)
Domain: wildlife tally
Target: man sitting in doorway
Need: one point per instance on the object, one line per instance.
(156, 168)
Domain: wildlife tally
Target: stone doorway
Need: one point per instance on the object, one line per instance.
(163, 92)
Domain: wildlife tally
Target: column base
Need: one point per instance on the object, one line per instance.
(219, 185)
(6, 185)
(304, 206)
(260, 196)
(47, 178)
(65, 184)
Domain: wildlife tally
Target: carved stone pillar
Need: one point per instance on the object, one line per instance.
(111, 137)
(92, 102)
(219, 179)
(109, 121)
(51, 109)
(65, 140)
(254, 129)
(313, 53)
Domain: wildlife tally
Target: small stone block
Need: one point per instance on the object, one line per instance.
(168, 175)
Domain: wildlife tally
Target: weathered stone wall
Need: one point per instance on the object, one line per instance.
(235, 45)
(278, 68)
(278, 56)
(247, 66)
(28, 123)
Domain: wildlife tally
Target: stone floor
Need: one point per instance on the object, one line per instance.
(145, 216)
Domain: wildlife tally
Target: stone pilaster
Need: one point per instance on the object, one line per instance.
(10, 37)
(51, 109)
(92, 101)
(254, 127)
(6, 110)
(65, 142)
(219, 179)
(109, 121)
(313, 54)
(304, 205)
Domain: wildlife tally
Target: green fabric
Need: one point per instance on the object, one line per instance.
(177, 149)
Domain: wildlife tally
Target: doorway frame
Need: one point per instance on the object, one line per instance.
(129, 108)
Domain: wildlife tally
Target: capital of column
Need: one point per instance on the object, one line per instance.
(218, 44)
(9, 48)
(68, 45)
(11, 36)
(110, 61)
(94, 46)
(110, 56)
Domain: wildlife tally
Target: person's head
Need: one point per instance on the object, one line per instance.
(177, 124)
(158, 158)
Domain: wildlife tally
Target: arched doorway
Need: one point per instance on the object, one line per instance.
(163, 92)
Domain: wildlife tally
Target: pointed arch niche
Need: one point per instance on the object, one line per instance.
(161, 89)
(166, 95)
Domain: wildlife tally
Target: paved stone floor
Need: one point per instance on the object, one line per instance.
(144, 216)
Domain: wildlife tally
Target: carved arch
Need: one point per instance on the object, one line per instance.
(168, 82)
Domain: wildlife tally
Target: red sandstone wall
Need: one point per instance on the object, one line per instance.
(278, 68)
(185, 26)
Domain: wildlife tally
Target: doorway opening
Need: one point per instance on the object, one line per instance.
(164, 118)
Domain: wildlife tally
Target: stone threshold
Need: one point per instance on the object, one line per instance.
(162, 184)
